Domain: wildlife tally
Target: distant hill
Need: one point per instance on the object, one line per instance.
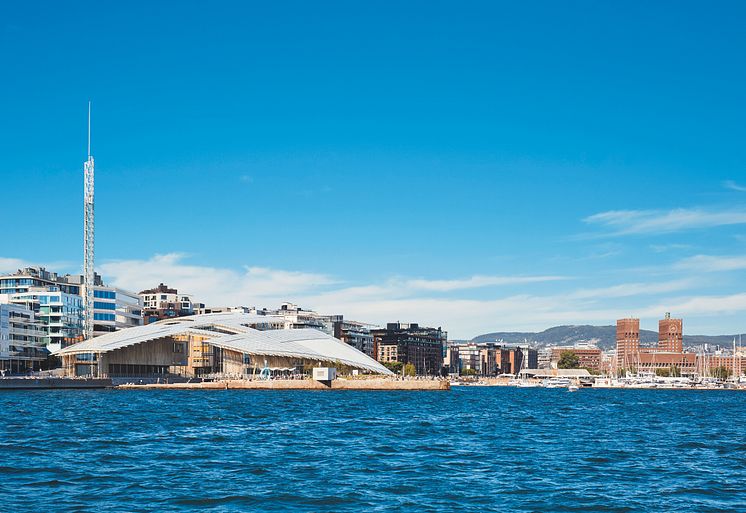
(603, 336)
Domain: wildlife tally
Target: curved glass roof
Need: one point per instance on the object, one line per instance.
(237, 332)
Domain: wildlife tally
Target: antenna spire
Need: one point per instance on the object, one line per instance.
(89, 276)
(89, 128)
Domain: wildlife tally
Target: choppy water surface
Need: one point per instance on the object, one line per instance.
(471, 449)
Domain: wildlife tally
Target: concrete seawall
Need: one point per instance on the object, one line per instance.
(52, 383)
(300, 384)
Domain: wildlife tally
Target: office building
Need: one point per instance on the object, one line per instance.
(411, 343)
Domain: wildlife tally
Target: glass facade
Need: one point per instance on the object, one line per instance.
(105, 294)
(60, 313)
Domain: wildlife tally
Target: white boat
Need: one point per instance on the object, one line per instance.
(557, 383)
(573, 388)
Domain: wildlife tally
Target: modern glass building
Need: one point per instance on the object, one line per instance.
(22, 340)
(59, 312)
(58, 304)
(235, 345)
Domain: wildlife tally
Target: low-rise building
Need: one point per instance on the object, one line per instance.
(589, 356)
(296, 317)
(451, 361)
(37, 277)
(469, 358)
(353, 333)
(544, 358)
(531, 357)
(356, 334)
(163, 302)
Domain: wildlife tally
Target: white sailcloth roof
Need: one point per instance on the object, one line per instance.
(236, 331)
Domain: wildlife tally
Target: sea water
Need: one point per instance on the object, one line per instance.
(470, 449)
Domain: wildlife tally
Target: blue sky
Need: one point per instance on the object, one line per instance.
(476, 165)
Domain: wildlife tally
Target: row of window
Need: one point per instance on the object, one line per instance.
(100, 305)
(104, 317)
(14, 282)
(105, 294)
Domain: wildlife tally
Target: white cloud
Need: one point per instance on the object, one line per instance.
(663, 248)
(477, 282)
(464, 318)
(425, 301)
(399, 298)
(704, 305)
(11, 265)
(211, 285)
(710, 263)
(730, 184)
(633, 289)
(631, 222)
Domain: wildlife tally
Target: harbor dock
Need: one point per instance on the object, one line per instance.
(299, 384)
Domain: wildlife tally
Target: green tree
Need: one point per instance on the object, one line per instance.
(663, 372)
(410, 370)
(394, 367)
(675, 371)
(468, 372)
(342, 369)
(721, 372)
(568, 360)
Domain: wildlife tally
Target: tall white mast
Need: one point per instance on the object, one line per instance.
(735, 375)
(88, 274)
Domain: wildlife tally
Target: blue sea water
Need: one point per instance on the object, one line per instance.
(471, 449)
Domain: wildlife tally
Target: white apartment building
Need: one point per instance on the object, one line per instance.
(114, 308)
(163, 302)
(59, 313)
(22, 338)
